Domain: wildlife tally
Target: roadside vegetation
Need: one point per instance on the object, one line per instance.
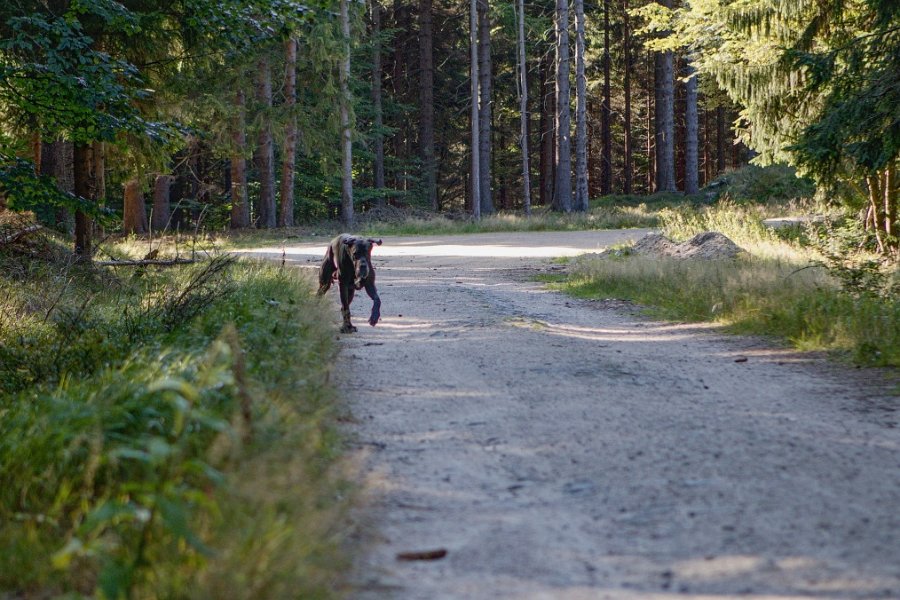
(165, 430)
(814, 285)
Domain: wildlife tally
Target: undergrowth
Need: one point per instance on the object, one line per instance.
(165, 433)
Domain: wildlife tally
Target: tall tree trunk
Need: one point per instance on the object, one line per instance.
(484, 114)
(378, 142)
(346, 127)
(84, 187)
(523, 111)
(474, 176)
(161, 205)
(265, 151)
(890, 205)
(651, 97)
(875, 203)
(134, 209)
(581, 182)
(606, 112)
(548, 133)
(720, 139)
(562, 198)
(240, 208)
(628, 167)
(665, 119)
(37, 149)
(289, 152)
(691, 138)
(426, 102)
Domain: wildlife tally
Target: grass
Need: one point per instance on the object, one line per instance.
(166, 433)
(779, 289)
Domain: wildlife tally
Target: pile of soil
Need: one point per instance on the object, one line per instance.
(709, 245)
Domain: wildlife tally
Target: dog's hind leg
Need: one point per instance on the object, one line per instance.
(326, 271)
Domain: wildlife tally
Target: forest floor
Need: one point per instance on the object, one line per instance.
(560, 448)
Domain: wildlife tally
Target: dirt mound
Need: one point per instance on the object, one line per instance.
(708, 245)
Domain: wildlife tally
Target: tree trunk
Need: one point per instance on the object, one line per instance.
(378, 142)
(426, 103)
(265, 151)
(159, 221)
(84, 187)
(289, 152)
(606, 112)
(691, 138)
(134, 210)
(581, 182)
(628, 166)
(651, 155)
(665, 119)
(484, 116)
(720, 139)
(562, 198)
(523, 111)
(346, 128)
(548, 135)
(474, 176)
(890, 204)
(240, 208)
(875, 200)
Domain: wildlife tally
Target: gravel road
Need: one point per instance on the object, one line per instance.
(564, 449)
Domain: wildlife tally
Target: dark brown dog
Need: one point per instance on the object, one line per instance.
(349, 260)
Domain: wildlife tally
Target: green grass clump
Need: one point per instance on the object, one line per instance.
(805, 306)
(165, 433)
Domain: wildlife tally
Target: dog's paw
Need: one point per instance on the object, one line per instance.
(348, 329)
(373, 322)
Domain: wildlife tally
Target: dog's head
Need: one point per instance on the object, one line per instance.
(360, 251)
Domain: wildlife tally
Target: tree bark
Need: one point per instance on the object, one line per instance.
(484, 114)
(289, 151)
(628, 166)
(265, 151)
(159, 221)
(474, 176)
(548, 134)
(134, 210)
(875, 200)
(691, 138)
(581, 182)
(720, 139)
(606, 112)
(523, 111)
(84, 187)
(562, 198)
(240, 208)
(346, 131)
(426, 103)
(378, 143)
(665, 119)
(890, 203)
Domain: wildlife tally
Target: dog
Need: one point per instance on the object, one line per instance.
(348, 260)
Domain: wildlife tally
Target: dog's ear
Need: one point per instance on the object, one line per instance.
(376, 242)
(349, 241)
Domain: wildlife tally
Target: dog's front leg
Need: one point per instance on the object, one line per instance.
(347, 292)
(376, 302)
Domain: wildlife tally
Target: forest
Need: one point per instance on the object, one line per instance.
(272, 113)
(169, 425)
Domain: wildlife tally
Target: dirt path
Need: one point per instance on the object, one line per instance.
(566, 449)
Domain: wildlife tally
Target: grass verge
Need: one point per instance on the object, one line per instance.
(165, 433)
(779, 289)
